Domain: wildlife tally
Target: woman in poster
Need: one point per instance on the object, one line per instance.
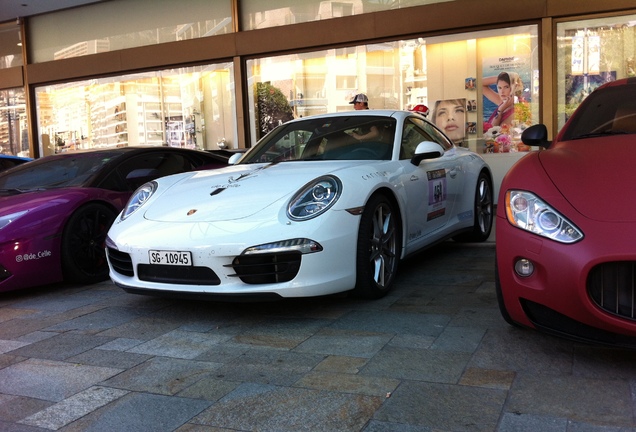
(450, 116)
(509, 87)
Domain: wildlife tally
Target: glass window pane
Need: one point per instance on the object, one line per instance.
(455, 75)
(187, 107)
(589, 53)
(258, 14)
(14, 131)
(10, 46)
(120, 24)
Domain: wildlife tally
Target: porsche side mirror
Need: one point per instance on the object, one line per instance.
(427, 150)
(536, 135)
(234, 158)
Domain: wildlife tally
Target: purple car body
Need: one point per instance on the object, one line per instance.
(55, 211)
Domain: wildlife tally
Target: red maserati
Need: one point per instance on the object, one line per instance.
(566, 225)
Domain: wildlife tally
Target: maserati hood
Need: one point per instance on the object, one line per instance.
(596, 176)
(234, 193)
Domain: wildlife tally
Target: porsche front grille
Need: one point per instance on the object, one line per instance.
(120, 262)
(612, 287)
(267, 268)
(170, 274)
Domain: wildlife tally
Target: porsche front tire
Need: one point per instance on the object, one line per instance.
(377, 249)
(483, 209)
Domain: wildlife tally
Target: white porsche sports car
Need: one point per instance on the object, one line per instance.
(320, 205)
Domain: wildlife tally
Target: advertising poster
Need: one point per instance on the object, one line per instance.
(506, 102)
(450, 116)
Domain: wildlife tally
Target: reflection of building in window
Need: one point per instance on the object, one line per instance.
(83, 48)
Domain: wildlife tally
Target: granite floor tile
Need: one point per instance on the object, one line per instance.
(144, 328)
(341, 364)
(418, 364)
(73, 408)
(281, 409)
(209, 388)
(15, 408)
(99, 320)
(140, 412)
(162, 375)
(345, 343)
(109, 358)
(463, 339)
(9, 313)
(525, 350)
(579, 399)
(444, 407)
(487, 378)
(61, 347)
(180, 344)
(50, 380)
(349, 383)
(392, 322)
(604, 363)
(10, 345)
(514, 422)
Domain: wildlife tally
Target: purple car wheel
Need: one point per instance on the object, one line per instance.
(83, 243)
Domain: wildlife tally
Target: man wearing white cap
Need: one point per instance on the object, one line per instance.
(360, 102)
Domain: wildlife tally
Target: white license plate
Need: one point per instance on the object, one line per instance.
(179, 258)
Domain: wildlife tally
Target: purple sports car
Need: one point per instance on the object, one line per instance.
(55, 211)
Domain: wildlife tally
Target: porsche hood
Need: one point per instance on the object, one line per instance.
(232, 193)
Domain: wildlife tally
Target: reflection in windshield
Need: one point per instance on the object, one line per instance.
(608, 112)
(54, 172)
(336, 138)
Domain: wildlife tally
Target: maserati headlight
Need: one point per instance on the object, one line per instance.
(7, 219)
(314, 198)
(529, 212)
(139, 198)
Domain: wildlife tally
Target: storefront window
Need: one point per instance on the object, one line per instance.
(590, 53)
(258, 14)
(482, 88)
(190, 107)
(10, 46)
(119, 24)
(14, 138)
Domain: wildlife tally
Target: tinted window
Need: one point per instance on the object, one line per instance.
(607, 111)
(55, 171)
(161, 164)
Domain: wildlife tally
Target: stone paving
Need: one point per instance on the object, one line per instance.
(433, 355)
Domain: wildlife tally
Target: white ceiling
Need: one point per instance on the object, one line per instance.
(11, 10)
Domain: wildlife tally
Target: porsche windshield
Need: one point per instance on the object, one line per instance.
(54, 172)
(335, 138)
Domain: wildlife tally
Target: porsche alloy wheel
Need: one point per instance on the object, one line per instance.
(83, 243)
(483, 212)
(378, 248)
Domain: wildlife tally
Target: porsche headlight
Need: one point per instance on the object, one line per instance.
(529, 212)
(139, 198)
(314, 198)
(7, 219)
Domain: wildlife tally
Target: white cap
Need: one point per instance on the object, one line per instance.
(360, 97)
